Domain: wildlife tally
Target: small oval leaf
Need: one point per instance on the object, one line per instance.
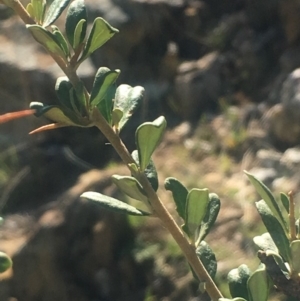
(275, 229)
(295, 254)
(47, 39)
(285, 201)
(100, 33)
(5, 262)
(268, 197)
(150, 170)
(61, 40)
(259, 285)
(237, 281)
(208, 258)
(131, 187)
(212, 212)
(112, 204)
(104, 79)
(128, 99)
(265, 242)
(196, 208)
(53, 113)
(54, 11)
(179, 192)
(76, 23)
(148, 136)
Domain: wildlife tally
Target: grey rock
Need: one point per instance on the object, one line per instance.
(268, 158)
(266, 175)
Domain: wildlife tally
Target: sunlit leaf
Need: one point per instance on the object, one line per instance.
(131, 187)
(285, 201)
(30, 10)
(5, 262)
(61, 40)
(196, 208)
(106, 105)
(100, 33)
(179, 192)
(38, 9)
(104, 79)
(265, 242)
(53, 113)
(259, 285)
(116, 116)
(237, 281)
(112, 204)
(268, 197)
(54, 11)
(128, 99)
(47, 39)
(150, 170)
(295, 254)
(208, 258)
(274, 228)
(234, 299)
(212, 212)
(148, 136)
(76, 23)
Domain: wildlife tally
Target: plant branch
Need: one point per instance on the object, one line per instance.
(160, 210)
(19, 10)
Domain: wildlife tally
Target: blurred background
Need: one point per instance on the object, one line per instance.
(223, 72)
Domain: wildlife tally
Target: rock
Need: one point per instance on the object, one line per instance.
(198, 86)
(267, 158)
(70, 249)
(266, 175)
(283, 120)
(291, 158)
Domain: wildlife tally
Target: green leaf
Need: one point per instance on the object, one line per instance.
(61, 40)
(38, 9)
(150, 170)
(179, 193)
(208, 258)
(79, 33)
(274, 228)
(259, 285)
(131, 187)
(235, 299)
(116, 116)
(112, 204)
(148, 136)
(127, 100)
(237, 281)
(62, 88)
(47, 39)
(295, 254)
(54, 11)
(30, 10)
(53, 113)
(100, 33)
(212, 212)
(265, 242)
(106, 105)
(196, 208)
(71, 105)
(285, 201)
(268, 197)
(103, 80)
(5, 262)
(76, 23)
